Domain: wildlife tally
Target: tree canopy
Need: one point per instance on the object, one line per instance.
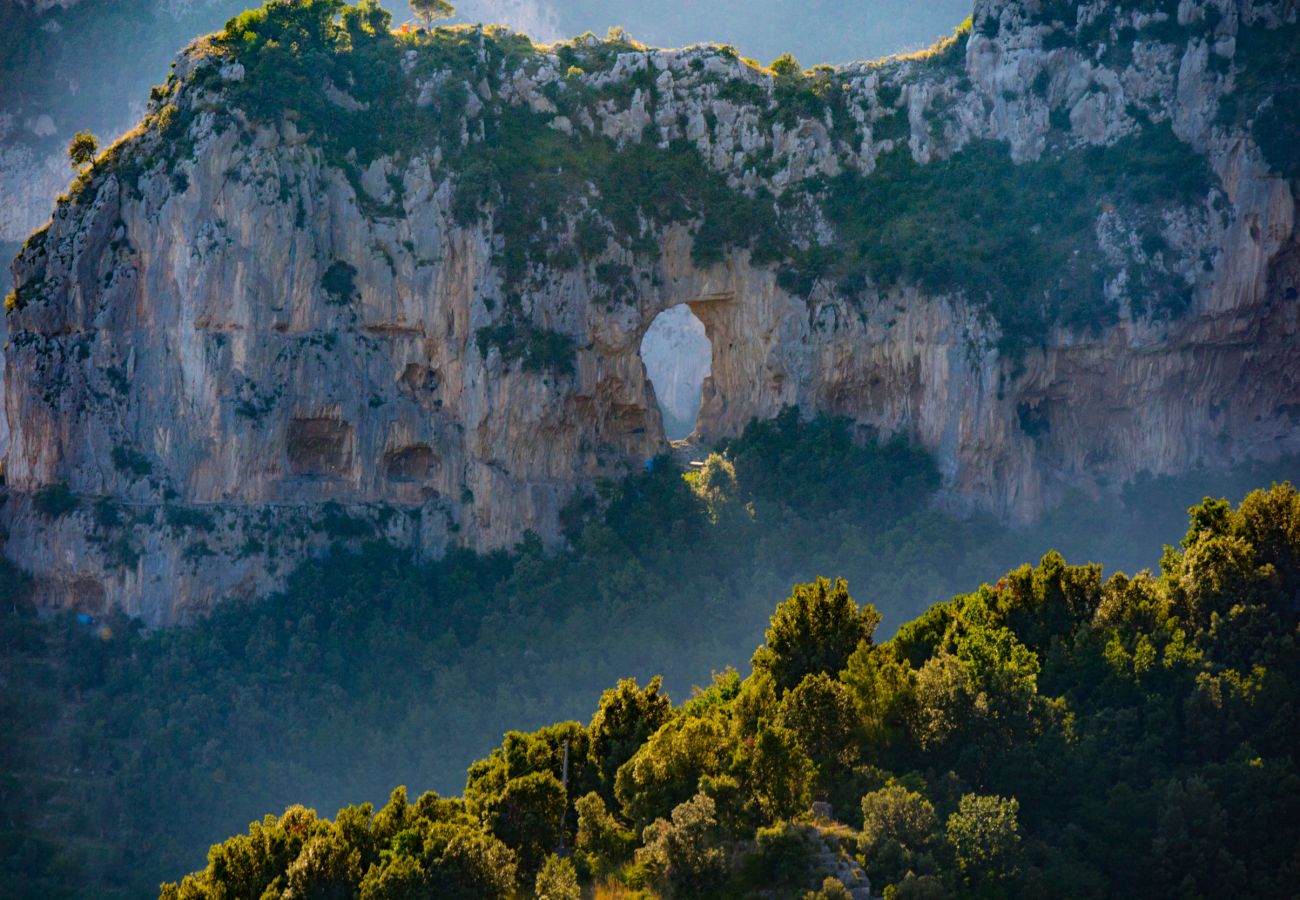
(1053, 734)
(430, 11)
(82, 149)
(371, 668)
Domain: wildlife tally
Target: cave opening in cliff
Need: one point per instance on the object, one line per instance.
(678, 357)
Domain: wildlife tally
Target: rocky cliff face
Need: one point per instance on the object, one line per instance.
(284, 312)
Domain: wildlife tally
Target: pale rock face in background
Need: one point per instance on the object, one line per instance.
(677, 356)
(186, 323)
(538, 19)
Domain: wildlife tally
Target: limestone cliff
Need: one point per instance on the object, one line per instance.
(398, 285)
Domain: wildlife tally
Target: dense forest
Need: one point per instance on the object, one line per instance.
(1055, 734)
(371, 668)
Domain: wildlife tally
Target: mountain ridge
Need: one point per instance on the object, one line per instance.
(384, 312)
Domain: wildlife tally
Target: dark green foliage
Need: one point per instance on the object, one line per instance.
(339, 524)
(666, 771)
(338, 283)
(894, 126)
(1267, 82)
(810, 467)
(783, 856)
(626, 717)
(558, 880)
(774, 773)
(521, 755)
(526, 816)
(602, 844)
(189, 517)
(536, 349)
(814, 632)
(533, 173)
(1161, 757)
(1042, 81)
(683, 856)
(1057, 40)
(290, 51)
(590, 237)
(429, 849)
(368, 662)
(985, 838)
(740, 90)
(820, 711)
(14, 586)
(130, 460)
(1057, 12)
(1065, 735)
(1166, 30)
(899, 833)
(947, 227)
(55, 500)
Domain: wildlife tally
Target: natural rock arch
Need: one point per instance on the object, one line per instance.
(678, 358)
(271, 335)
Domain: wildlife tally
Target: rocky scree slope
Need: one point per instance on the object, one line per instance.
(345, 283)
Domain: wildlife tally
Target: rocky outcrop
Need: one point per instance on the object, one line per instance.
(242, 337)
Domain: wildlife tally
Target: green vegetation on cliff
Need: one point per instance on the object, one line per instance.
(1055, 734)
(1015, 238)
(1267, 81)
(533, 164)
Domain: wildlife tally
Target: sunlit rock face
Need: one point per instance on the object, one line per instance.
(236, 343)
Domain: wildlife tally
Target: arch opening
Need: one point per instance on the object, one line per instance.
(678, 356)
